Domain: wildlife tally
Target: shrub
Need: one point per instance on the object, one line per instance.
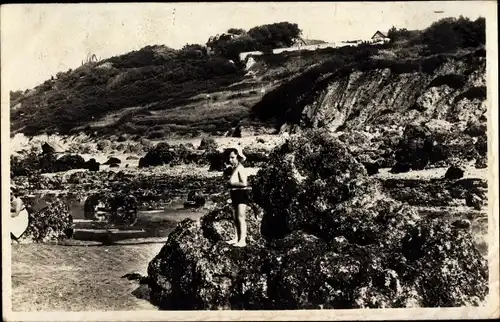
(449, 34)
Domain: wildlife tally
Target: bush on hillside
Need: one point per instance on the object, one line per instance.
(450, 34)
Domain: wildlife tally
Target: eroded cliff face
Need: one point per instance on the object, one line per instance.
(452, 89)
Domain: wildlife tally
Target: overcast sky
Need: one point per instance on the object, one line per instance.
(40, 40)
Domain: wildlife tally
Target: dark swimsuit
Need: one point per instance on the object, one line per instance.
(240, 196)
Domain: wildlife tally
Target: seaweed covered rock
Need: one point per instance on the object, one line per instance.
(445, 265)
(425, 145)
(191, 272)
(219, 224)
(305, 177)
(322, 235)
(113, 208)
(454, 173)
(161, 154)
(50, 223)
(255, 156)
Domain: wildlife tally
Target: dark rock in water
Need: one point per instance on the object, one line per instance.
(112, 160)
(50, 223)
(321, 236)
(69, 162)
(49, 163)
(133, 276)
(461, 223)
(114, 208)
(114, 165)
(132, 157)
(400, 168)
(371, 168)
(92, 165)
(454, 173)
(195, 200)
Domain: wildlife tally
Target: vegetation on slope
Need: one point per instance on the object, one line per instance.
(158, 90)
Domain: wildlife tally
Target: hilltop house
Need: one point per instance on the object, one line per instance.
(379, 37)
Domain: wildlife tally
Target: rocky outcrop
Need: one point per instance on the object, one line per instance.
(322, 235)
(165, 154)
(383, 92)
(385, 95)
(424, 145)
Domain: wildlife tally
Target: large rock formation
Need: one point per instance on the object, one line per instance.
(321, 236)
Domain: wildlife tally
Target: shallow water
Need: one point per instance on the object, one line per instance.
(150, 224)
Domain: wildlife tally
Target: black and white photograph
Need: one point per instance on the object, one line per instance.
(247, 161)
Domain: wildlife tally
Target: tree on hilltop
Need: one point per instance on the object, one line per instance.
(236, 31)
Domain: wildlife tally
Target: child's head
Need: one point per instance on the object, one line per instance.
(234, 156)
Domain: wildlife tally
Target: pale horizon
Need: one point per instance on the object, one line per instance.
(44, 39)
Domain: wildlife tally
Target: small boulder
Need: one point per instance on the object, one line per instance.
(112, 160)
(195, 200)
(461, 223)
(454, 173)
(114, 165)
(371, 168)
(92, 165)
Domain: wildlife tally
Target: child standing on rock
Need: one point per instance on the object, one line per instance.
(240, 194)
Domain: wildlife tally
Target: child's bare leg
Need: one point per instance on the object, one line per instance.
(242, 223)
(236, 233)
